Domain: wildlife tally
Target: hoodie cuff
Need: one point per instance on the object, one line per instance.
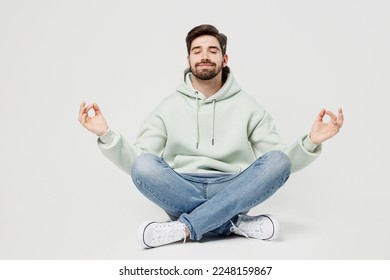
(107, 137)
(308, 145)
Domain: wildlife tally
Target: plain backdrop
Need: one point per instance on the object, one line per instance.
(61, 199)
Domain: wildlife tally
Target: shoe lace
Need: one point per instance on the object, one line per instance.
(237, 230)
(175, 230)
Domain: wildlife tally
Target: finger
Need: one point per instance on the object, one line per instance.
(340, 118)
(83, 119)
(96, 109)
(332, 116)
(88, 108)
(81, 110)
(321, 115)
(84, 114)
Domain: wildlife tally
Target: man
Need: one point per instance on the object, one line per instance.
(209, 152)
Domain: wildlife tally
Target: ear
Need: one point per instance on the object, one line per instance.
(225, 60)
(188, 61)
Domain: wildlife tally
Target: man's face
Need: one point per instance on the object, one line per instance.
(205, 59)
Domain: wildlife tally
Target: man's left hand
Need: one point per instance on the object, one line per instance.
(322, 131)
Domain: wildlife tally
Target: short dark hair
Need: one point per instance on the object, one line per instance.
(206, 29)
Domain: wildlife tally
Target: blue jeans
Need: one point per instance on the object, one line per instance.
(209, 203)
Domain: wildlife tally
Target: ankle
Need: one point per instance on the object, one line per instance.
(187, 231)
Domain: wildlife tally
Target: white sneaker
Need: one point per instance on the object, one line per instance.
(265, 227)
(154, 234)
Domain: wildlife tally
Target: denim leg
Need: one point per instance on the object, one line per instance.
(155, 179)
(241, 193)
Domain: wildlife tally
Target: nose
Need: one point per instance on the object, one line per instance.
(205, 55)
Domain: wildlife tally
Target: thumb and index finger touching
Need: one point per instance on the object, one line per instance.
(84, 109)
(339, 119)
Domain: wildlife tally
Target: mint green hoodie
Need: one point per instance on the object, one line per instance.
(194, 134)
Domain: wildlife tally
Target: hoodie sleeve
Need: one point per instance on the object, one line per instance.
(115, 147)
(299, 155)
(264, 138)
(151, 139)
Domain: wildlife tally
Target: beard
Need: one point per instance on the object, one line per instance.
(206, 74)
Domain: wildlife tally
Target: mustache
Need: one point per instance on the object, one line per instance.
(208, 61)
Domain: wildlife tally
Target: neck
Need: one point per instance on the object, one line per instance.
(207, 87)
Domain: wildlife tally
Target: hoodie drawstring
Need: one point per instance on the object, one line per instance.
(197, 121)
(212, 139)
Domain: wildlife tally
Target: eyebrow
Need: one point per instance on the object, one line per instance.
(211, 47)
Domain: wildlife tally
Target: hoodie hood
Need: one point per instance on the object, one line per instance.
(229, 88)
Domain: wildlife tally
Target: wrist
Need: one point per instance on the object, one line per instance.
(313, 142)
(104, 135)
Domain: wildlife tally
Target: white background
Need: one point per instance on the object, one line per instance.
(61, 199)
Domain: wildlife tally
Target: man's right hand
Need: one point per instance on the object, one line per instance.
(96, 123)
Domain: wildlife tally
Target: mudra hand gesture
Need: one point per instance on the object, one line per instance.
(96, 123)
(322, 131)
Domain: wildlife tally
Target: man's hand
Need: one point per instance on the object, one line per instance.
(96, 123)
(322, 131)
